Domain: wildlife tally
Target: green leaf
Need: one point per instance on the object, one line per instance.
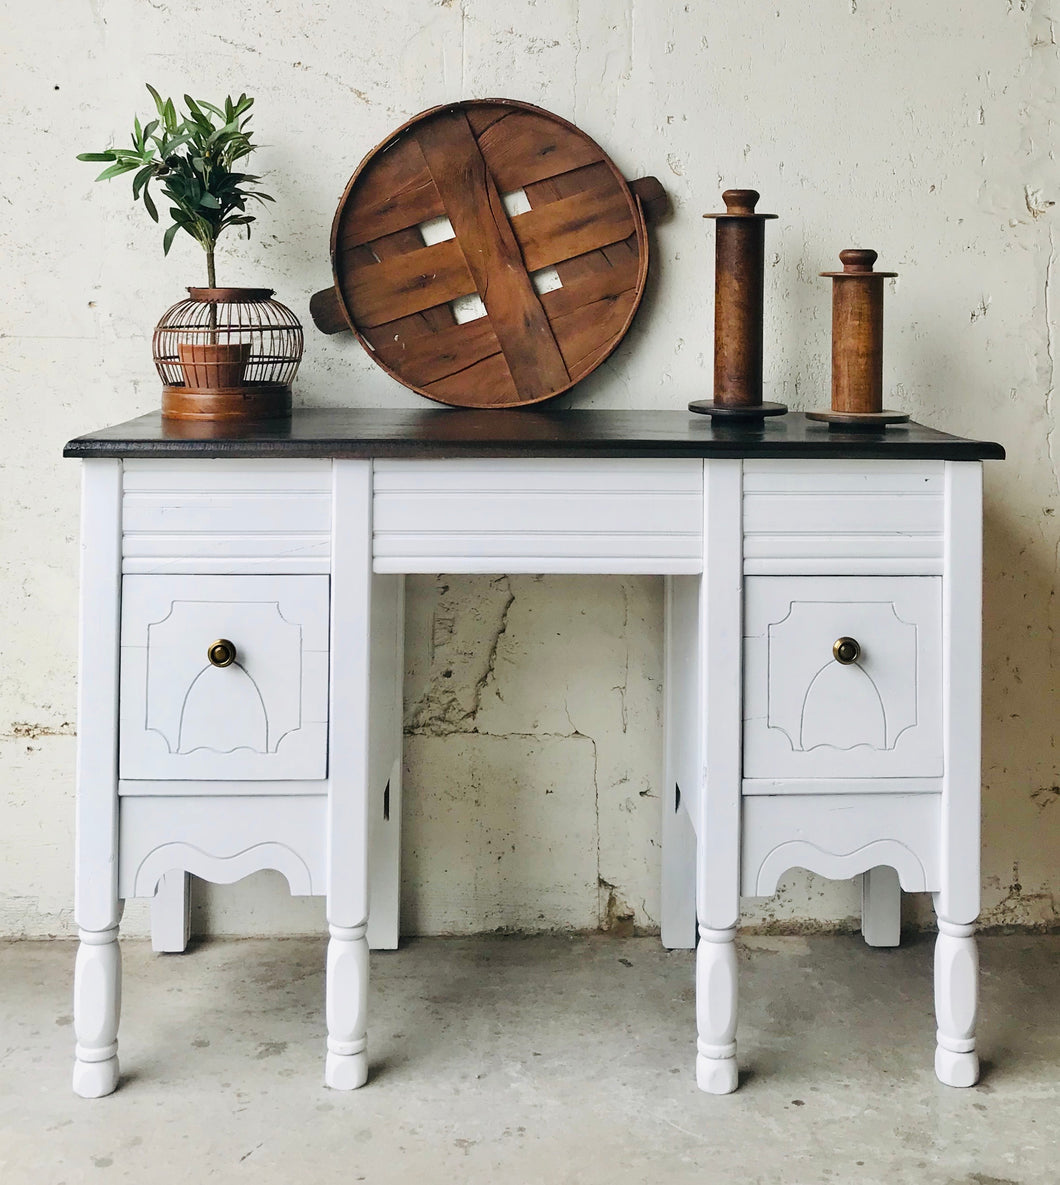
(141, 179)
(157, 98)
(117, 170)
(209, 201)
(171, 143)
(96, 156)
(167, 238)
(151, 208)
(169, 114)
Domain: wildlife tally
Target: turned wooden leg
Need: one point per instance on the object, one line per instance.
(346, 1066)
(716, 1010)
(956, 1003)
(97, 1006)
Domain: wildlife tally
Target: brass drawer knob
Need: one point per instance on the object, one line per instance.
(846, 650)
(222, 653)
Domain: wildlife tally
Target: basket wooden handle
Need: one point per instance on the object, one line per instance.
(652, 197)
(326, 310)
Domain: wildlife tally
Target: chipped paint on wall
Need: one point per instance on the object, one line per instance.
(532, 705)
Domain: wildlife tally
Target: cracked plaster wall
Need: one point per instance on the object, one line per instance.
(925, 131)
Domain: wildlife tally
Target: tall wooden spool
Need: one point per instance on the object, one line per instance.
(525, 194)
(857, 345)
(739, 283)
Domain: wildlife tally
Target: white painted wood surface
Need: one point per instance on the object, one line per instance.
(881, 907)
(808, 715)
(836, 800)
(223, 840)
(226, 516)
(608, 516)
(718, 826)
(349, 786)
(768, 786)
(683, 763)
(97, 976)
(854, 518)
(385, 760)
(956, 1003)
(957, 901)
(841, 836)
(171, 913)
(716, 1010)
(97, 1009)
(264, 716)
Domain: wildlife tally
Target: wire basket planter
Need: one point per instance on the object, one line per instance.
(227, 354)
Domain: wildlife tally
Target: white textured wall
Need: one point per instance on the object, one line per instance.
(926, 131)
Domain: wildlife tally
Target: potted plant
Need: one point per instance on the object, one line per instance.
(225, 352)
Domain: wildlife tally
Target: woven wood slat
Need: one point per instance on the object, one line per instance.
(401, 243)
(523, 148)
(488, 243)
(490, 377)
(396, 194)
(405, 284)
(426, 358)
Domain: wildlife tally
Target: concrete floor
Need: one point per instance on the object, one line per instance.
(548, 1059)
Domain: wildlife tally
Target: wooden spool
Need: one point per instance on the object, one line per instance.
(739, 282)
(857, 345)
(396, 290)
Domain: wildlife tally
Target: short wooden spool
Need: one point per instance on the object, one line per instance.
(396, 280)
(857, 345)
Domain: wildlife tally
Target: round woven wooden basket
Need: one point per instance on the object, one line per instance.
(487, 254)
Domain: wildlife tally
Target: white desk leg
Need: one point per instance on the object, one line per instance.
(97, 1008)
(956, 1003)
(171, 913)
(720, 616)
(349, 791)
(957, 902)
(387, 704)
(681, 775)
(881, 907)
(97, 973)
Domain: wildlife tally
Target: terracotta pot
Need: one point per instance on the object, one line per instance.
(213, 366)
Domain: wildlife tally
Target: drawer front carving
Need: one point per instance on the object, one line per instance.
(843, 677)
(226, 516)
(224, 677)
(537, 515)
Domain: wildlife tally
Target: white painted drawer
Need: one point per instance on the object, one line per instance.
(264, 717)
(805, 517)
(807, 715)
(226, 516)
(603, 515)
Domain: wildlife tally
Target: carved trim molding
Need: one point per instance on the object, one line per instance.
(224, 870)
(801, 853)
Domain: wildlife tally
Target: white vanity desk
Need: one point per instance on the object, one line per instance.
(241, 670)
